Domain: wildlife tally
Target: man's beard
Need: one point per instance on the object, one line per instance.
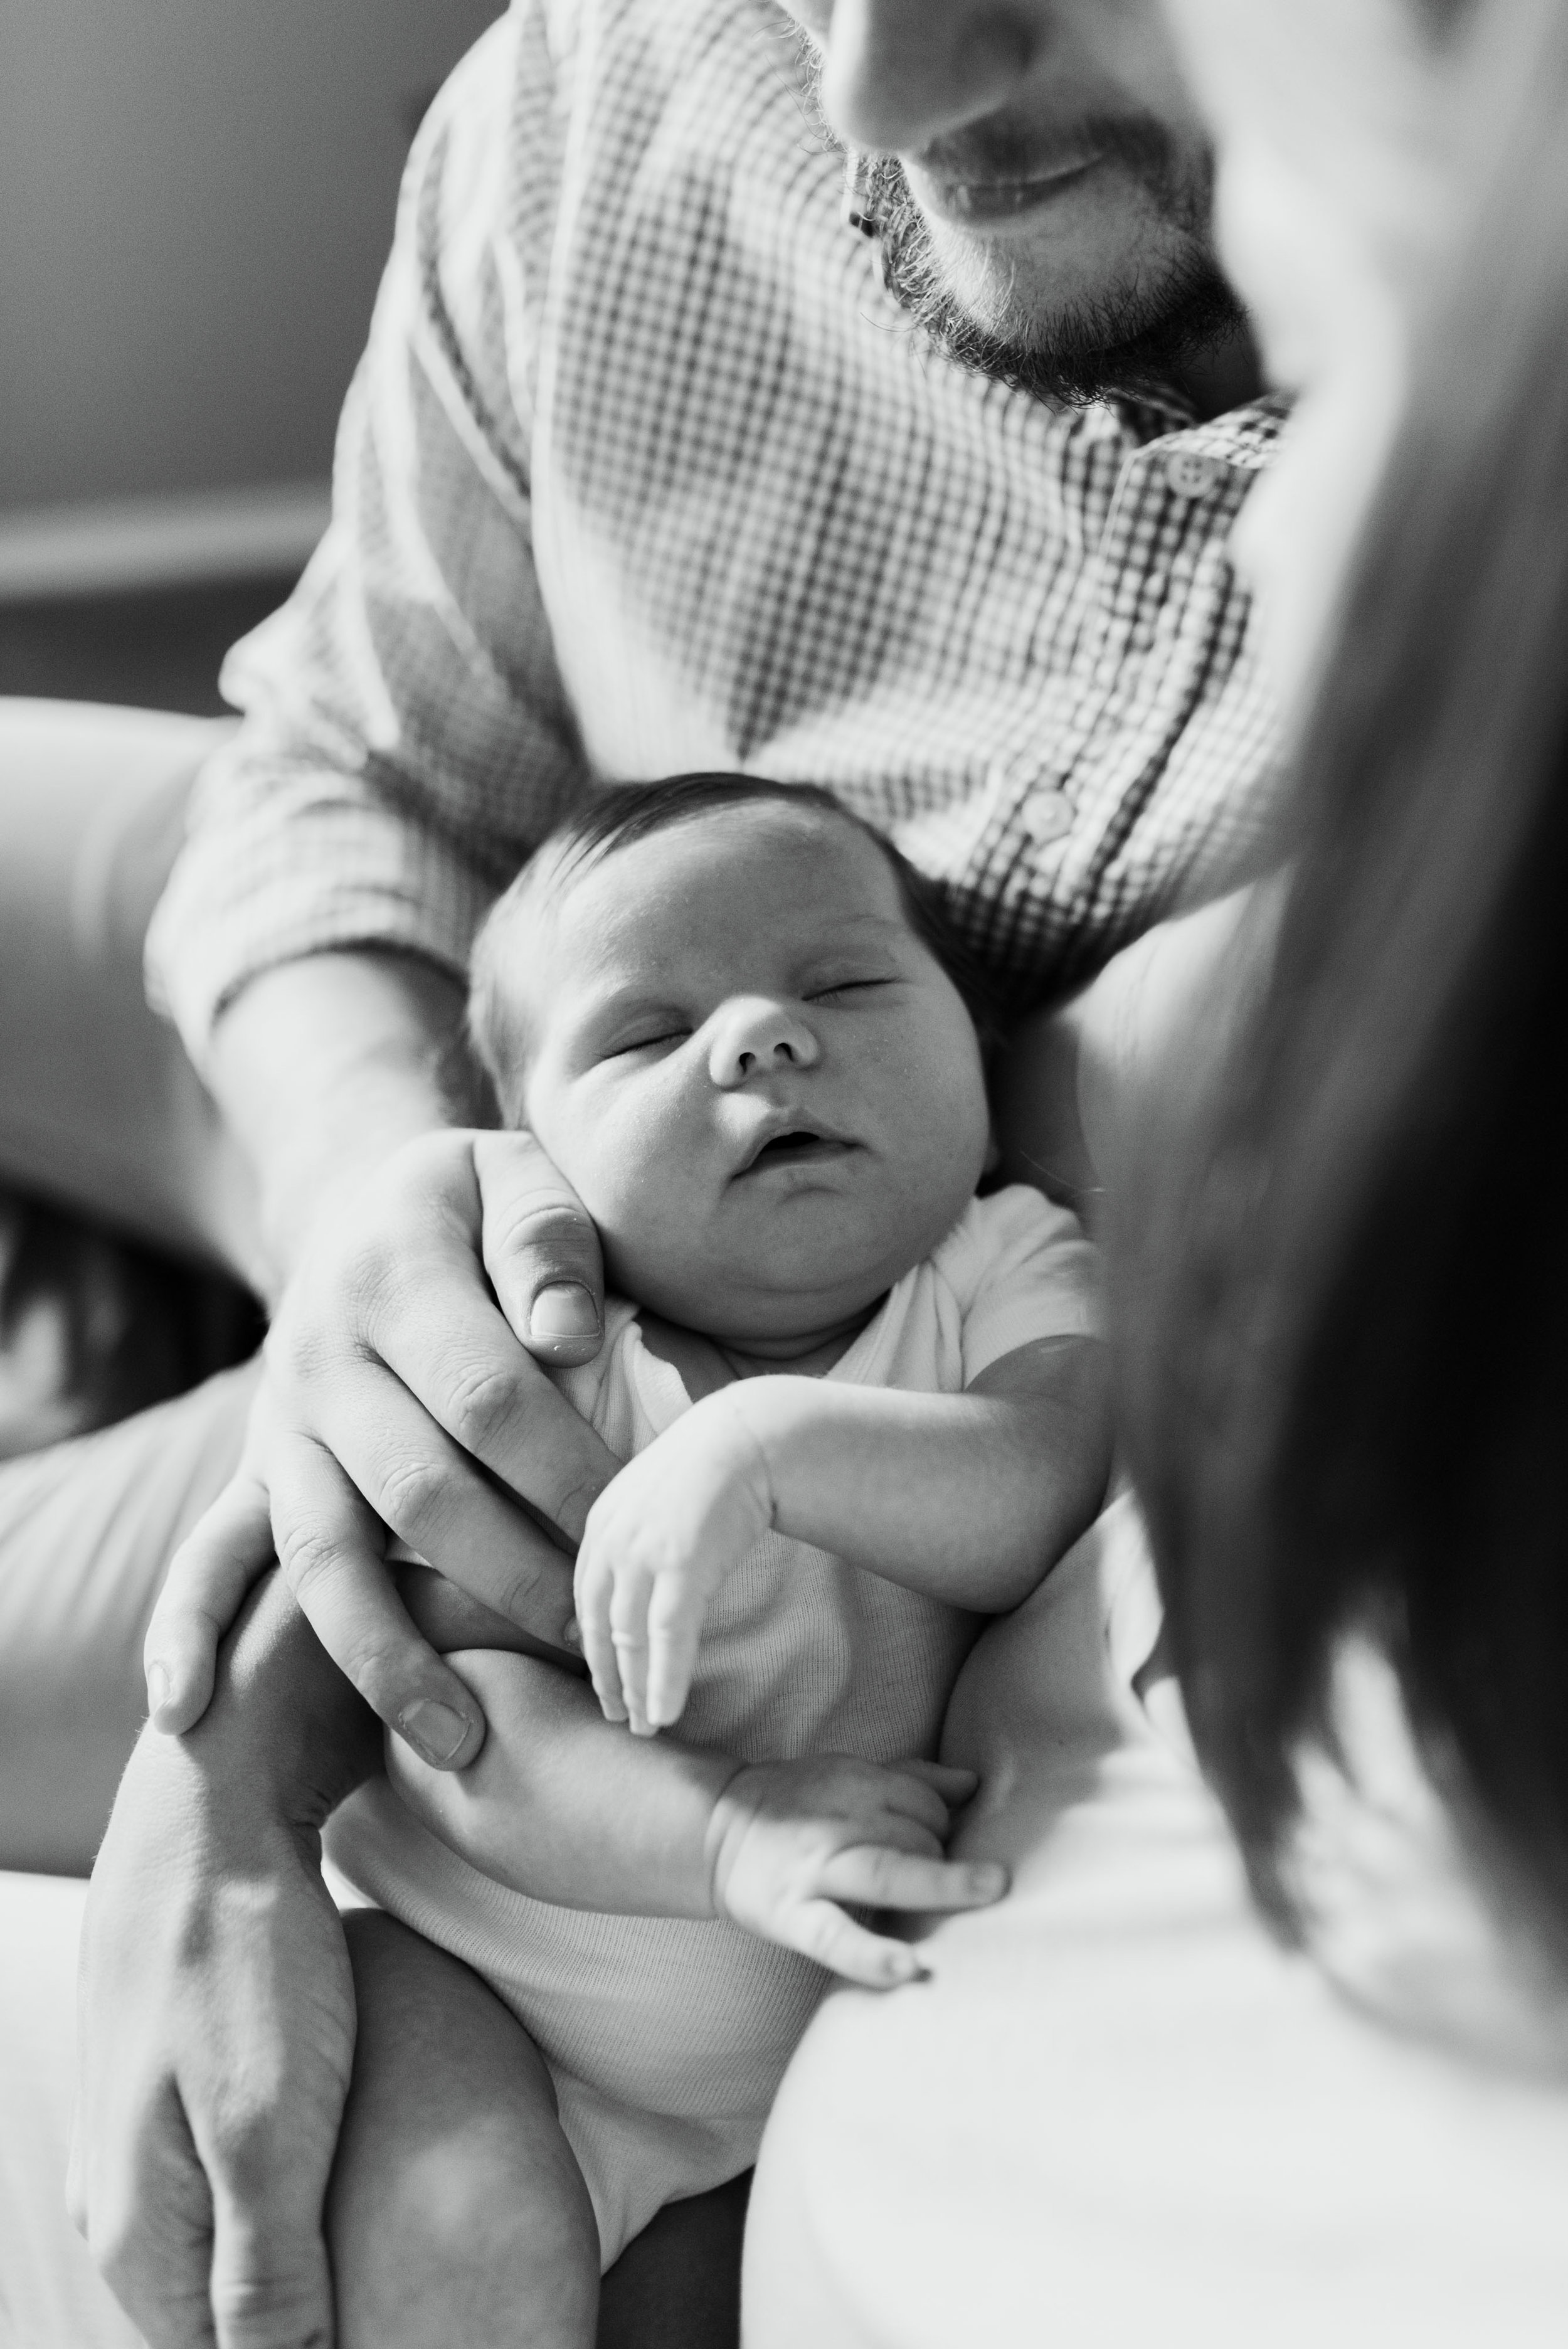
(1129, 343)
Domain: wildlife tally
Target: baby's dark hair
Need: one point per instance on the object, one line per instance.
(621, 814)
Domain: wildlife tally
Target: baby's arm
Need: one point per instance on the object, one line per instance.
(968, 1497)
(563, 1807)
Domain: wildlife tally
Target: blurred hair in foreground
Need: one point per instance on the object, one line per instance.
(1343, 1290)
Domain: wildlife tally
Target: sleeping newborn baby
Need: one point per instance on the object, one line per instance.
(860, 1408)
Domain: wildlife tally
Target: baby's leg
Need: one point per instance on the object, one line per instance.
(457, 2211)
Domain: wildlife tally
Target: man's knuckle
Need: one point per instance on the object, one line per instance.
(569, 1496)
(308, 1556)
(411, 1493)
(374, 1280)
(252, 2146)
(517, 1590)
(481, 1405)
(545, 1227)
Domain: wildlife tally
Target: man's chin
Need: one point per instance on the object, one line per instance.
(1004, 307)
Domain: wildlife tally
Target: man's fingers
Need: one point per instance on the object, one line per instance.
(228, 1547)
(448, 1617)
(446, 1344)
(271, 2287)
(147, 2223)
(540, 1250)
(331, 1549)
(417, 1480)
(874, 1877)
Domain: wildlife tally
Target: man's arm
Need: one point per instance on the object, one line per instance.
(568, 1808)
(217, 2013)
(398, 1391)
(406, 737)
(1074, 1083)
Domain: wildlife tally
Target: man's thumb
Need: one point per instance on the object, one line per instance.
(540, 1250)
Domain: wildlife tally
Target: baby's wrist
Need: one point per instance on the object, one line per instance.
(745, 1442)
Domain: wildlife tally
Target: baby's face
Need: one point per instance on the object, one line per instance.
(766, 1090)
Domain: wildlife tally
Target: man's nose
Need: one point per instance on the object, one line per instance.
(754, 1036)
(897, 74)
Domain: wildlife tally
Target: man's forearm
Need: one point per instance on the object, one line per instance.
(284, 1726)
(569, 1807)
(323, 1066)
(1073, 1084)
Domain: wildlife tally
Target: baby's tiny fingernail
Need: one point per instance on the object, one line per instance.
(436, 1729)
(987, 1880)
(157, 1685)
(564, 1310)
(573, 1635)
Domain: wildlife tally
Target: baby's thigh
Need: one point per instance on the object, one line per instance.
(457, 2211)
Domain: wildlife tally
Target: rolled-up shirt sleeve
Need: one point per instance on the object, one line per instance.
(405, 736)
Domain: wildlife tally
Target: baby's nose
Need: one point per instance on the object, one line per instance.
(753, 1036)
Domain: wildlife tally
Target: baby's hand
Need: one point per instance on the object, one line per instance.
(660, 1539)
(791, 1841)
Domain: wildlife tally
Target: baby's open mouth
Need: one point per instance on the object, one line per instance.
(797, 1143)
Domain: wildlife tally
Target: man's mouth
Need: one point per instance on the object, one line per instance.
(970, 199)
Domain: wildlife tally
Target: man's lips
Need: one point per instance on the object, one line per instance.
(972, 198)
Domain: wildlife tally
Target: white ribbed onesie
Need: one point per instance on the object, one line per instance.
(666, 2038)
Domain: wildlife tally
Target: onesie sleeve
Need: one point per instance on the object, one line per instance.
(1021, 1270)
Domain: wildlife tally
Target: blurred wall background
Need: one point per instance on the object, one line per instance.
(196, 197)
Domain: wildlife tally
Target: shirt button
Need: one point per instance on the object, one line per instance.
(1047, 816)
(1191, 475)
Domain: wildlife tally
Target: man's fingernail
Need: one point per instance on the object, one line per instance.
(434, 1728)
(564, 1312)
(157, 1687)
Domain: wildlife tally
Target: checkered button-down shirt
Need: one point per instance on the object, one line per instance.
(641, 472)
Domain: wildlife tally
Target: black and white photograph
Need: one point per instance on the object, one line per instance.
(783, 1276)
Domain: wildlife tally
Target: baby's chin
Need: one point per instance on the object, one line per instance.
(775, 1278)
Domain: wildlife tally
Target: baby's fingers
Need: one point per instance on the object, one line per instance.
(593, 1595)
(955, 1786)
(875, 1877)
(629, 1639)
(821, 1932)
(925, 1791)
(674, 1626)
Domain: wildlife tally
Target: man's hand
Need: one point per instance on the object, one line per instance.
(659, 1541)
(399, 1394)
(791, 1843)
(217, 2008)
